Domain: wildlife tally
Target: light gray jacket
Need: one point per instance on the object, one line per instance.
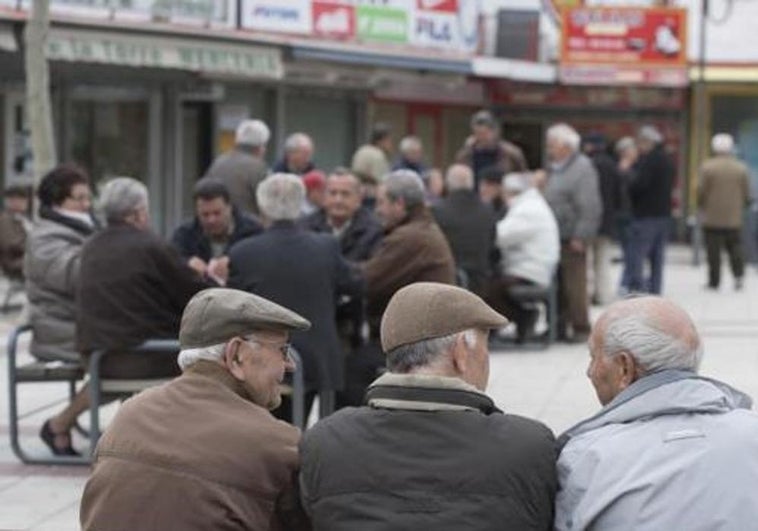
(574, 195)
(51, 266)
(672, 451)
(241, 172)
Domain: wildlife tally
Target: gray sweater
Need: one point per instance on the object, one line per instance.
(574, 195)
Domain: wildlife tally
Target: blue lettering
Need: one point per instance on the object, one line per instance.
(281, 13)
(436, 32)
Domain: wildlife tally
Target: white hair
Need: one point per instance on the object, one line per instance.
(280, 196)
(650, 133)
(722, 144)
(566, 135)
(410, 143)
(189, 356)
(459, 177)
(516, 182)
(298, 141)
(405, 185)
(652, 348)
(624, 144)
(121, 197)
(405, 358)
(252, 133)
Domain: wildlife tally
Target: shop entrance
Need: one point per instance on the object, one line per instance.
(197, 148)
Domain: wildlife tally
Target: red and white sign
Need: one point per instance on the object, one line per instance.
(440, 6)
(607, 45)
(334, 19)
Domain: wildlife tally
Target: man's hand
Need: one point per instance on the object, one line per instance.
(198, 265)
(576, 245)
(218, 269)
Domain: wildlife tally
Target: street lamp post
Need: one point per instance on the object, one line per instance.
(700, 125)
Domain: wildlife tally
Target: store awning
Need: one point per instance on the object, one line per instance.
(726, 73)
(496, 67)
(379, 59)
(151, 51)
(7, 38)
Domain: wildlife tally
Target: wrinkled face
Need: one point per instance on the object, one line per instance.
(557, 151)
(79, 200)
(298, 159)
(483, 134)
(604, 371)
(391, 212)
(215, 216)
(263, 362)
(343, 197)
(140, 218)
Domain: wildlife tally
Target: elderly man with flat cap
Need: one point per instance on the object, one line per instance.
(203, 451)
(430, 450)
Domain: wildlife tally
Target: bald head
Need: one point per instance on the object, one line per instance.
(656, 332)
(459, 177)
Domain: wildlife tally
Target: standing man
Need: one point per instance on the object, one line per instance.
(298, 155)
(243, 167)
(411, 155)
(573, 194)
(205, 240)
(429, 449)
(485, 149)
(669, 449)
(722, 197)
(650, 194)
(203, 451)
(469, 226)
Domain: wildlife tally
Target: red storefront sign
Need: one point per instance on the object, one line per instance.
(605, 45)
(334, 19)
(444, 6)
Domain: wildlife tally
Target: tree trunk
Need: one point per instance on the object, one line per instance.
(38, 102)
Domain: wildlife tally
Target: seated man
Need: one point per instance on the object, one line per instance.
(669, 449)
(203, 452)
(430, 450)
(133, 286)
(205, 241)
(527, 238)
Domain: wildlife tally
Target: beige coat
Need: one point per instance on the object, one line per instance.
(194, 454)
(724, 192)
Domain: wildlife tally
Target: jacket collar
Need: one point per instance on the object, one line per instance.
(68, 221)
(214, 371)
(415, 392)
(667, 392)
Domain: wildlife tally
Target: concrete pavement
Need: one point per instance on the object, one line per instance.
(549, 385)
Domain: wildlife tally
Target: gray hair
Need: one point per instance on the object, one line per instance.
(298, 141)
(723, 144)
(252, 133)
(516, 182)
(652, 348)
(650, 133)
(121, 197)
(280, 196)
(405, 185)
(405, 358)
(459, 177)
(189, 356)
(624, 144)
(565, 135)
(410, 143)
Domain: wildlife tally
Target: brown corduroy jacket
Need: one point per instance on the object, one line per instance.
(414, 251)
(194, 454)
(724, 192)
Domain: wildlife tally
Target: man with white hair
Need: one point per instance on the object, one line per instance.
(301, 270)
(669, 449)
(133, 286)
(203, 451)
(572, 191)
(529, 245)
(723, 194)
(469, 226)
(411, 155)
(429, 449)
(298, 155)
(650, 194)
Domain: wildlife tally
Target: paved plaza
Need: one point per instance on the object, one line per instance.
(549, 385)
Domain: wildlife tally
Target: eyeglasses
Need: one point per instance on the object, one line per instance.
(283, 348)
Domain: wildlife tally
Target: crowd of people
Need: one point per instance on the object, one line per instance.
(387, 277)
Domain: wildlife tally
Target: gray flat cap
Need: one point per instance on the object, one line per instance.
(427, 310)
(216, 315)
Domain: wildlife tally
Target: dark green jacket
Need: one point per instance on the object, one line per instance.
(427, 453)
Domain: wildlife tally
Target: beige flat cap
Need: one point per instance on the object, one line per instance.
(216, 315)
(426, 310)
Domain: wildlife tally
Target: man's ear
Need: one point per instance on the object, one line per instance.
(627, 369)
(232, 359)
(460, 355)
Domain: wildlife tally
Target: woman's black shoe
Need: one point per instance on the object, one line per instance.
(48, 437)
